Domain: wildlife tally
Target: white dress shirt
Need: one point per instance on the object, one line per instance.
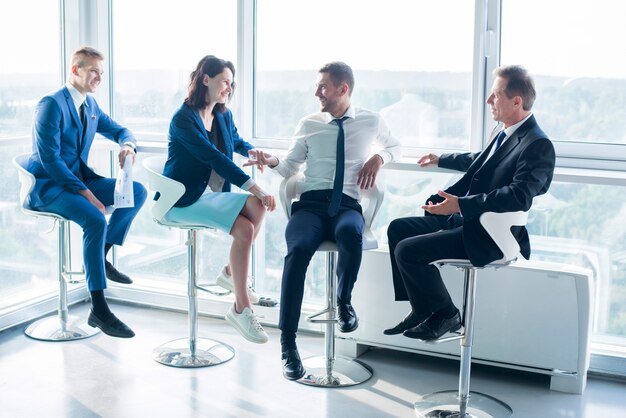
(315, 142)
(508, 132)
(77, 97)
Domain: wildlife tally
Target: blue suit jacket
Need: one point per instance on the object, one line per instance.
(191, 156)
(59, 152)
(518, 171)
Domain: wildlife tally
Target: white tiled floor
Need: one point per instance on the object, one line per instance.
(108, 377)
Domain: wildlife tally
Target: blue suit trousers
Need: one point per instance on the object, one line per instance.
(96, 230)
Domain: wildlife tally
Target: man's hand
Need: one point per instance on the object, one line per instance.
(86, 193)
(124, 151)
(428, 159)
(449, 206)
(369, 171)
(260, 159)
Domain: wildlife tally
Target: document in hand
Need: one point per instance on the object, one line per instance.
(124, 196)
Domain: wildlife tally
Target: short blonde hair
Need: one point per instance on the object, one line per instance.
(80, 56)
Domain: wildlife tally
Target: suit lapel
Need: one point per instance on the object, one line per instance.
(504, 150)
(72, 108)
(483, 155)
(511, 143)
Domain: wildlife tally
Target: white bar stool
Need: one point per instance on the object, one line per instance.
(462, 403)
(61, 327)
(192, 351)
(330, 370)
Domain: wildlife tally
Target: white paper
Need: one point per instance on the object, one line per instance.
(124, 195)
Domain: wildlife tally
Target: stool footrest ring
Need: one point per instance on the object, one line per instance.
(68, 276)
(451, 336)
(205, 288)
(313, 318)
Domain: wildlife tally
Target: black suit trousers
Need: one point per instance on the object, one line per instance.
(414, 243)
(307, 228)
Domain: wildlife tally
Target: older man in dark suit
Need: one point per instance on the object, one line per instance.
(516, 166)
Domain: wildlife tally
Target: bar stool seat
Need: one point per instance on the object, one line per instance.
(330, 370)
(62, 326)
(462, 403)
(191, 352)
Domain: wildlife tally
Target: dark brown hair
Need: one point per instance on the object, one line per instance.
(211, 66)
(339, 72)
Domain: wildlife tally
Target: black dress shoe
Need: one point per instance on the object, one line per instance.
(292, 365)
(114, 275)
(111, 326)
(411, 320)
(434, 327)
(348, 320)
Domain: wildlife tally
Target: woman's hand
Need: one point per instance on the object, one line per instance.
(267, 199)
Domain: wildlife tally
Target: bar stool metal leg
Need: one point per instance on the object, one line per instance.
(463, 403)
(330, 370)
(193, 351)
(62, 326)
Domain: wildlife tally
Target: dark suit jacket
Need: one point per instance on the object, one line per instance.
(191, 156)
(59, 153)
(519, 170)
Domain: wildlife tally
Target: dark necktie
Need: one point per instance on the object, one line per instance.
(499, 139)
(340, 164)
(83, 120)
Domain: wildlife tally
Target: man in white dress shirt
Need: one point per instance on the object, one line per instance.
(335, 144)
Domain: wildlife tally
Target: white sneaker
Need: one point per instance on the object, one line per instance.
(226, 281)
(247, 325)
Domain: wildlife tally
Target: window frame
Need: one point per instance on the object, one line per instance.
(576, 162)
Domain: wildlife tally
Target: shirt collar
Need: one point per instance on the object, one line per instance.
(77, 97)
(350, 113)
(511, 129)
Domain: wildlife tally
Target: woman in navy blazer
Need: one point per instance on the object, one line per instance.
(202, 139)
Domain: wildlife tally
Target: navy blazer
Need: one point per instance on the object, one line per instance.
(519, 170)
(191, 157)
(59, 152)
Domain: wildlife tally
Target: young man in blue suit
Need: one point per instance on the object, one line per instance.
(516, 166)
(65, 125)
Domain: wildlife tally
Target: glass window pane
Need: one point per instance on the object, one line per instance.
(580, 75)
(409, 67)
(30, 67)
(156, 48)
(568, 226)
